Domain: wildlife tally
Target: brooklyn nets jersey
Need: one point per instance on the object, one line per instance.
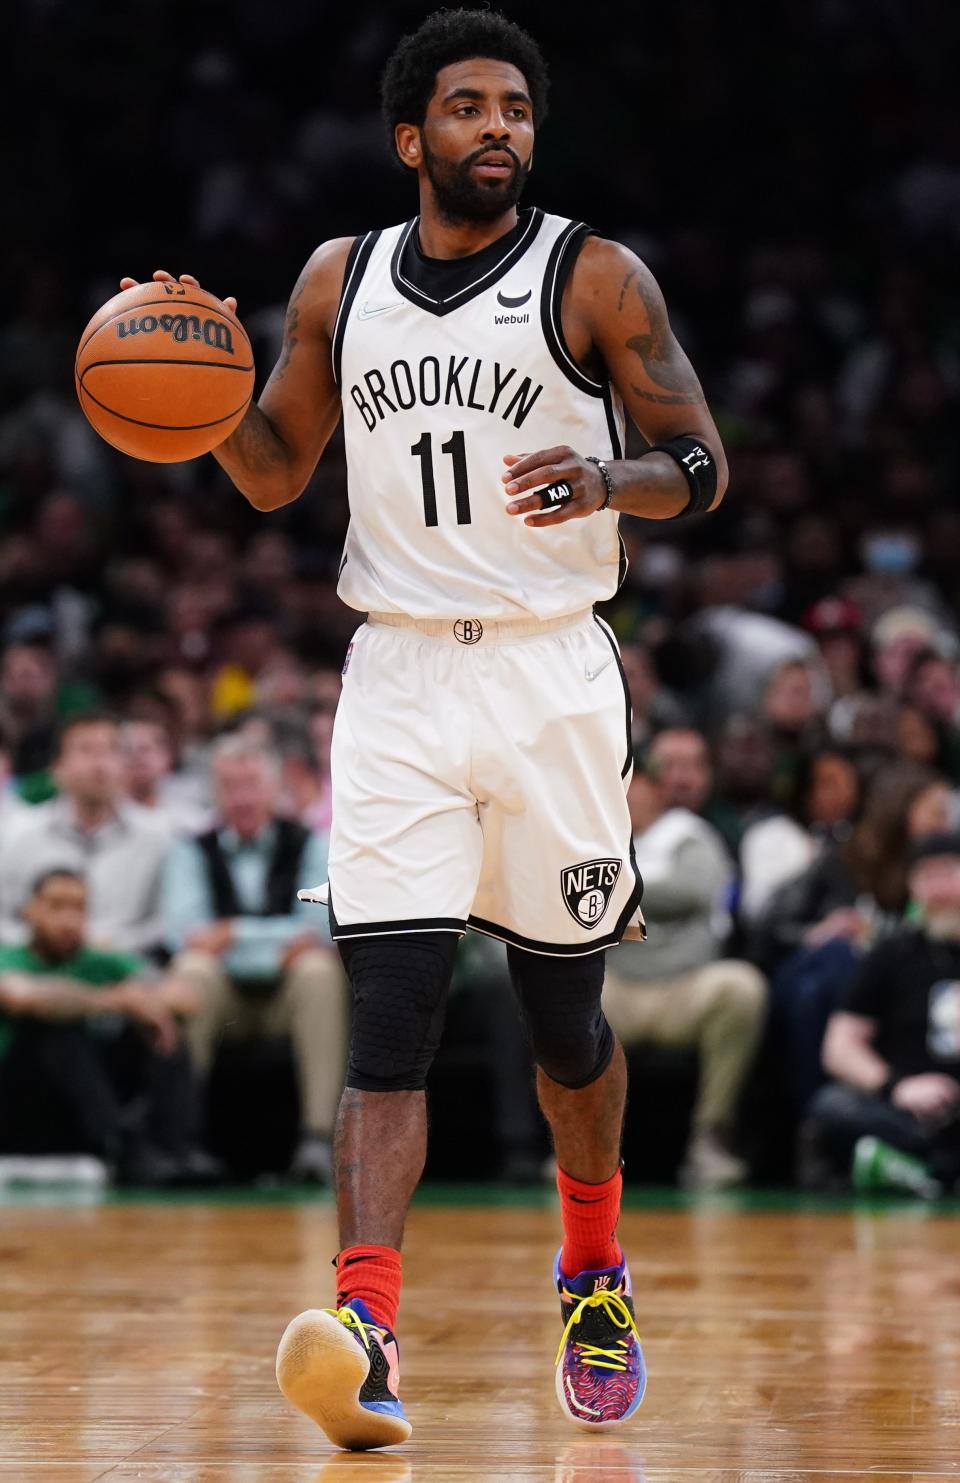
(435, 391)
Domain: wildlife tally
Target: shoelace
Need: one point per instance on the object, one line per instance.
(350, 1320)
(616, 1310)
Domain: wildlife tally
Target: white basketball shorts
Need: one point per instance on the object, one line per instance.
(479, 774)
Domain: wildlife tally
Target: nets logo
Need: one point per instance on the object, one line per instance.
(587, 889)
(468, 630)
(182, 327)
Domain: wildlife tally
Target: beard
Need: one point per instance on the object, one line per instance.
(461, 196)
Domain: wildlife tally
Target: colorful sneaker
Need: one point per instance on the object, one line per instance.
(341, 1368)
(601, 1376)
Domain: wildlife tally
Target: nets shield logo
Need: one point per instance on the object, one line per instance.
(587, 889)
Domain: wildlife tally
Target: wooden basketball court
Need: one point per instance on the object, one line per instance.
(137, 1342)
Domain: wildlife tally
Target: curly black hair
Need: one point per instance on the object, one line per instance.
(447, 36)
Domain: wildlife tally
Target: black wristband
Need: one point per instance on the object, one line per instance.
(607, 480)
(696, 463)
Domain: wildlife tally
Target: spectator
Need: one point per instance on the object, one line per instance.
(837, 625)
(744, 778)
(91, 1055)
(852, 896)
(33, 700)
(118, 846)
(258, 959)
(679, 759)
(12, 807)
(151, 781)
(854, 884)
(775, 850)
(893, 1046)
(792, 711)
(677, 989)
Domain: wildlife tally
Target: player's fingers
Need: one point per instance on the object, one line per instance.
(551, 517)
(129, 282)
(572, 509)
(521, 506)
(231, 304)
(512, 458)
(547, 474)
(532, 461)
(189, 278)
(162, 276)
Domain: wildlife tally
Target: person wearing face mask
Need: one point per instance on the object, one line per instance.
(889, 580)
(893, 1048)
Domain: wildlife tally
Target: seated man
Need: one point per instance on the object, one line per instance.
(676, 989)
(116, 845)
(894, 1048)
(91, 1056)
(253, 953)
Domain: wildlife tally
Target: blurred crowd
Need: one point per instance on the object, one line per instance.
(169, 660)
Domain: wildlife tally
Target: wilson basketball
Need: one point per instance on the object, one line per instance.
(164, 372)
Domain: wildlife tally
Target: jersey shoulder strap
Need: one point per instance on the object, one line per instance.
(563, 255)
(354, 269)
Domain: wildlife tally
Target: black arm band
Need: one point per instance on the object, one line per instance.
(697, 464)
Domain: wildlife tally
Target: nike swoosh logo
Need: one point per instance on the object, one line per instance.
(591, 674)
(509, 303)
(580, 1201)
(370, 311)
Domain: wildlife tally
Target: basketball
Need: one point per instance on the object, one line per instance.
(164, 372)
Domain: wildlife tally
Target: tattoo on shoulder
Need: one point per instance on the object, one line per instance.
(626, 285)
(663, 360)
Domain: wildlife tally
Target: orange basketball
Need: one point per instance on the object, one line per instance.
(164, 372)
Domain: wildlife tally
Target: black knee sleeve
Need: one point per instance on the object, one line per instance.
(399, 989)
(560, 999)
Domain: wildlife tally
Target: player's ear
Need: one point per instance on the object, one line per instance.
(407, 140)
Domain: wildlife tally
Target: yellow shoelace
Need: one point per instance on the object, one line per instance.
(349, 1319)
(619, 1315)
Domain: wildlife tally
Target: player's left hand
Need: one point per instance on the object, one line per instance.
(551, 466)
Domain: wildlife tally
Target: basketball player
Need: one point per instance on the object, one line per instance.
(482, 359)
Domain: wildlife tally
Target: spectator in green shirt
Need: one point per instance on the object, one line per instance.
(91, 1055)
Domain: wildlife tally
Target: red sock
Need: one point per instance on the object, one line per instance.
(374, 1274)
(590, 1213)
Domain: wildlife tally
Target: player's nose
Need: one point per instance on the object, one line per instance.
(496, 127)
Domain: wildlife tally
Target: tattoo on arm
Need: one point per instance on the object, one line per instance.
(257, 443)
(626, 285)
(663, 361)
(290, 327)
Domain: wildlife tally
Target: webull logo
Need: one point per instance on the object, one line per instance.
(181, 327)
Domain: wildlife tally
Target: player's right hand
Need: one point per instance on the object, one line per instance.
(160, 276)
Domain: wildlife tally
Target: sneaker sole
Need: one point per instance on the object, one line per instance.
(320, 1369)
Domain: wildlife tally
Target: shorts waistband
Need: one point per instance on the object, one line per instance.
(469, 631)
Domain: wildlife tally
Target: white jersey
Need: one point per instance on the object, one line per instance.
(435, 393)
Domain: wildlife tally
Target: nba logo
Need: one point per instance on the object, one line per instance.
(346, 662)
